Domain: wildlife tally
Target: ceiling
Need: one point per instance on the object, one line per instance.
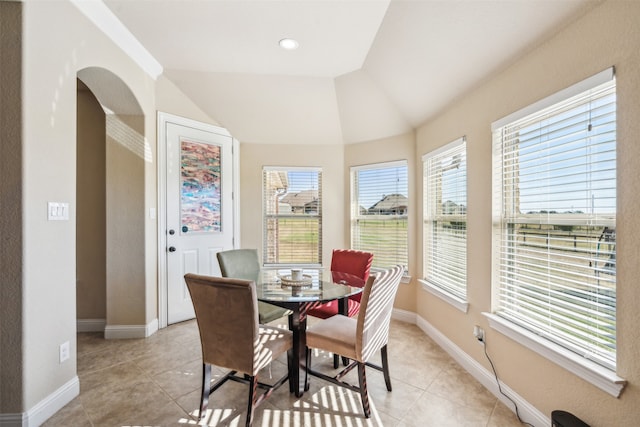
(365, 69)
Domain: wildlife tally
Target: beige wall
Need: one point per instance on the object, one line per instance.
(386, 150)
(52, 60)
(91, 209)
(608, 35)
(170, 99)
(39, 165)
(125, 220)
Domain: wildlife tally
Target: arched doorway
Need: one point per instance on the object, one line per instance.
(110, 183)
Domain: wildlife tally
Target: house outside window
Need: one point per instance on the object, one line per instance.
(554, 271)
(379, 212)
(292, 216)
(445, 222)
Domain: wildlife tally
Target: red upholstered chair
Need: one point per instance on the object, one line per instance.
(355, 263)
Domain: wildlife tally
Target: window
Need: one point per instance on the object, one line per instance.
(445, 219)
(292, 212)
(555, 219)
(379, 206)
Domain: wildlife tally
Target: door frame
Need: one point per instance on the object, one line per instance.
(163, 120)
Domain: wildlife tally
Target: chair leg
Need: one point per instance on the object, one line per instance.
(385, 367)
(336, 361)
(206, 387)
(253, 386)
(364, 394)
(306, 371)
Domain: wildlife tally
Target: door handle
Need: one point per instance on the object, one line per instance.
(172, 232)
(172, 249)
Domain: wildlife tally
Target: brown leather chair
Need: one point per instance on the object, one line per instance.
(231, 337)
(244, 264)
(359, 338)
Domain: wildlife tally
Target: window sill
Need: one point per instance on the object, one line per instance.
(458, 303)
(591, 372)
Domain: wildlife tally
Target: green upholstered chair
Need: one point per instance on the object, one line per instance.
(244, 264)
(235, 342)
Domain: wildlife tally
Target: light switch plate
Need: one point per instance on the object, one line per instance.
(58, 211)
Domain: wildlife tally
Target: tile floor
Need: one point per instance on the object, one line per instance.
(156, 382)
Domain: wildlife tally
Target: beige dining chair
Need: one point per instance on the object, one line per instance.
(359, 338)
(244, 264)
(353, 262)
(231, 337)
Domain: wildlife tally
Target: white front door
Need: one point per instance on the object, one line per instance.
(199, 208)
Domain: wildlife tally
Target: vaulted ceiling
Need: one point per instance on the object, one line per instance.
(364, 69)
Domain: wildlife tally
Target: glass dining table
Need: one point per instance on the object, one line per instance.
(316, 287)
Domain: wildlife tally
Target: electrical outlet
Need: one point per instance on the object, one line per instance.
(478, 332)
(64, 351)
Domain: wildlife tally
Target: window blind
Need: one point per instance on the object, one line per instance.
(445, 218)
(292, 214)
(379, 206)
(555, 205)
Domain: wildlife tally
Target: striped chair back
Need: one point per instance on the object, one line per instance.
(375, 312)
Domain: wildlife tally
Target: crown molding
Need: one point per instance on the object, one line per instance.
(103, 18)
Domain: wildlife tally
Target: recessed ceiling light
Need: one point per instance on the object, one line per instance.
(288, 44)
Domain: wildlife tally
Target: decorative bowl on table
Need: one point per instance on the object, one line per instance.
(286, 280)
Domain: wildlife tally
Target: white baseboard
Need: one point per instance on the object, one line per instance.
(527, 411)
(152, 327)
(90, 325)
(45, 408)
(65, 394)
(404, 316)
(131, 331)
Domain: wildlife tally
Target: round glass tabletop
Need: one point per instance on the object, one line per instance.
(316, 285)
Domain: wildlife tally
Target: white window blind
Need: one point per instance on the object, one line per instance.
(555, 220)
(292, 212)
(445, 218)
(379, 206)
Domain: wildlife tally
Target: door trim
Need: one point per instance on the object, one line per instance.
(163, 120)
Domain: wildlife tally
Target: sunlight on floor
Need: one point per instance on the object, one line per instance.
(157, 382)
(329, 407)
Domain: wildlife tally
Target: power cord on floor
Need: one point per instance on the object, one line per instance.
(483, 341)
